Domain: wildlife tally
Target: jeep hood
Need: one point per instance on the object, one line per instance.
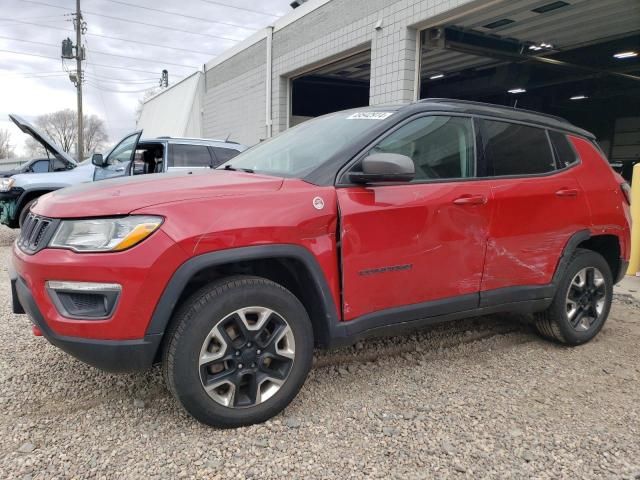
(120, 196)
(48, 144)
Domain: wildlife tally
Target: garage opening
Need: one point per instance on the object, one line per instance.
(336, 86)
(576, 59)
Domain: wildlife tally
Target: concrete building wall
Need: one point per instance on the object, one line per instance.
(235, 96)
(236, 90)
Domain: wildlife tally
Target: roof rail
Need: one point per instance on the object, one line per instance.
(492, 105)
(167, 137)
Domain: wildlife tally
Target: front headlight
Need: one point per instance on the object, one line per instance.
(104, 234)
(6, 184)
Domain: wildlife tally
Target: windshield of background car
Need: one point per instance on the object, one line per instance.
(301, 149)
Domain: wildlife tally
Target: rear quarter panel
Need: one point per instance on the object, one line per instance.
(609, 211)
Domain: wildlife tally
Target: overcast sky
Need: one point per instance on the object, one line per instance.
(33, 85)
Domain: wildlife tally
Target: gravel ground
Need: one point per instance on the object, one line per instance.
(484, 398)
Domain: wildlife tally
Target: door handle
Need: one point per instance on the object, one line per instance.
(567, 192)
(121, 169)
(471, 200)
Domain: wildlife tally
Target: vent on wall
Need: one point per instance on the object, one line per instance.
(549, 6)
(499, 23)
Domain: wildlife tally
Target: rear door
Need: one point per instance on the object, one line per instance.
(421, 242)
(184, 156)
(538, 206)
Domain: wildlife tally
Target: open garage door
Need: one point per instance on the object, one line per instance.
(335, 86)
(579, 59)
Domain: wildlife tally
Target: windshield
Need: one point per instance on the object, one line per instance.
(301, 149)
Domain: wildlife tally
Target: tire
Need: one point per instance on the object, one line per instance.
(582, 301)
(245, 332)
(25, 211)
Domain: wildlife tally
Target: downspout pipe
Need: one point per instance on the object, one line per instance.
(268, 111)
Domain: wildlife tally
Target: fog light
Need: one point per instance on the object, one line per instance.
(84, 300)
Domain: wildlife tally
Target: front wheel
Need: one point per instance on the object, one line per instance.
(239, 351)
(582, 301)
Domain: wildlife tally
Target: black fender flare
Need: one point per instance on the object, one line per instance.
(568, 251)
(181, 277)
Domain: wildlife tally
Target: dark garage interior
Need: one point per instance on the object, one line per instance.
(536, 56)
(336, 86)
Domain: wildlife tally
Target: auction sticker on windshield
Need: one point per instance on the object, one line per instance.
(369, 115)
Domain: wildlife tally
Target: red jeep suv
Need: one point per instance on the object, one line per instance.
(354, 224)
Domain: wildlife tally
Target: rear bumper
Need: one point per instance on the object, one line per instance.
(108, 355)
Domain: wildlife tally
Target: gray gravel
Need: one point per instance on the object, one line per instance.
(484, 398)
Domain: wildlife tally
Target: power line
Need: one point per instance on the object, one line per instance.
(191, 17)
(95, 64)
(163, 27)
(100, 87)
(240, 8)
(118, 38)
(160, 62)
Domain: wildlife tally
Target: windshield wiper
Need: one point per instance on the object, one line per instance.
(235, 169)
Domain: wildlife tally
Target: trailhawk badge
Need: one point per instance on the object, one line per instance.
(318, 203)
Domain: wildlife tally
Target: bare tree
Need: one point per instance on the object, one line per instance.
(61, 127)
(34, 149)
(6, 149)
(95, 134)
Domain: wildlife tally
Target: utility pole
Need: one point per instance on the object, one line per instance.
(79, 25)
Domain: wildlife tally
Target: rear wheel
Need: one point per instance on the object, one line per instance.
(239, 351)
(582, 301)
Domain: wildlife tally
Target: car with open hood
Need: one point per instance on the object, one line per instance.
(131, 156)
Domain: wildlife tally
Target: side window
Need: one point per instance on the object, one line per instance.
(565, 155)
(440, 146)
(223, 154)
(41, 166)
(59, 165)
(513, 149)
(189, 156)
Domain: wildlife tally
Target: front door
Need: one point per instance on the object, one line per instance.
(422, 241)
(119, 159)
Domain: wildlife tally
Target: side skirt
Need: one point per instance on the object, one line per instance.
(396, 321)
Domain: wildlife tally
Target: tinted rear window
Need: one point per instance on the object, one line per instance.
(223, 154)
(189, 156)
(565, 154)
(512, 149)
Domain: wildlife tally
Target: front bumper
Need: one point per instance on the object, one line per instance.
(119, 342)
(108, 355)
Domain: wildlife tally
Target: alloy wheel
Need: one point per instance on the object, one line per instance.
(246, 357)
(585, 299)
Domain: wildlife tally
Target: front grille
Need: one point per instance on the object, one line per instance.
(35, 233)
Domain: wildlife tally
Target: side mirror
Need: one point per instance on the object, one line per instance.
(385, 167)
(97, 160)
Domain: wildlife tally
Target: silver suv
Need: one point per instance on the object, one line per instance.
(131, 156)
